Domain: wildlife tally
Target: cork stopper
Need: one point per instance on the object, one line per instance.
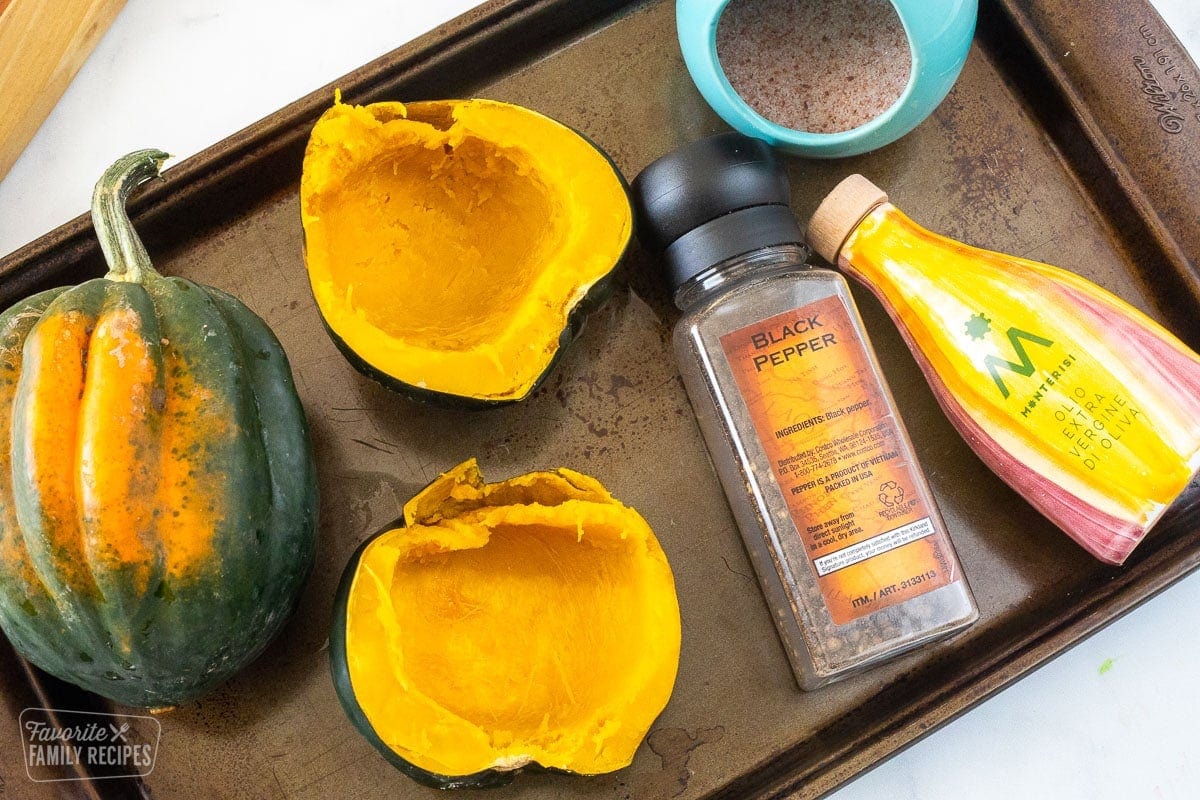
(839, 214)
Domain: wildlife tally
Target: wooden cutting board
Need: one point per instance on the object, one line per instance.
(43, 43)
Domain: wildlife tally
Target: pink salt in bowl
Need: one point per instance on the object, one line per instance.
(790, 73)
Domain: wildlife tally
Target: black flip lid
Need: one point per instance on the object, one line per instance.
(711, 200)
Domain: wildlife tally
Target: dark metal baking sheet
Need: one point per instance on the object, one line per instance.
(1031, 154)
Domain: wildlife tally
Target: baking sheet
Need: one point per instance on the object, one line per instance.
(1006, 162)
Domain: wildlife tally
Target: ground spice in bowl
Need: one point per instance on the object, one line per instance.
(821, 66)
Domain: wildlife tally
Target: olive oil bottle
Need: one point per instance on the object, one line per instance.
(1080, 402)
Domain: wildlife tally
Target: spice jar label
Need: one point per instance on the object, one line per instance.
(838, 458)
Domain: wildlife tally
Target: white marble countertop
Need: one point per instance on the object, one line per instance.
(1112, 719)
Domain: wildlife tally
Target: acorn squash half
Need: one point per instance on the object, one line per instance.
(505, 625)
(453, 247)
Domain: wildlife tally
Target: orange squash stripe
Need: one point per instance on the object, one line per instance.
(55, 354)
(118, 423)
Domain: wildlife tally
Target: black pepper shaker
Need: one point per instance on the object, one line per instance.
(839, 522)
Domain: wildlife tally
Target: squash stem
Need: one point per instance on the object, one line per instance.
(123, 250)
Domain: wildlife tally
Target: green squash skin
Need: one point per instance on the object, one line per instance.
(339, 666)
(179, 637)
(596, 297)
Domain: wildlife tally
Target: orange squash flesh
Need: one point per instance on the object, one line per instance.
(529, 621)
(448, 243)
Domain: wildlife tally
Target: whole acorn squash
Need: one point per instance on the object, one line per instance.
(157, 490)
(528, 622)
(454, 247)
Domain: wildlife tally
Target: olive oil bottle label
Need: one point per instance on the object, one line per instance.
(840, 463)
(1083, 404)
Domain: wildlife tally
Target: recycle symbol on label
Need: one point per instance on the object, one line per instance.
(891, 493)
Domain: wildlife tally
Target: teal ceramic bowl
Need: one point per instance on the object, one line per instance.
(939, 36)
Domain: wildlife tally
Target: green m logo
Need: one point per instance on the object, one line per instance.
(1023, 367)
